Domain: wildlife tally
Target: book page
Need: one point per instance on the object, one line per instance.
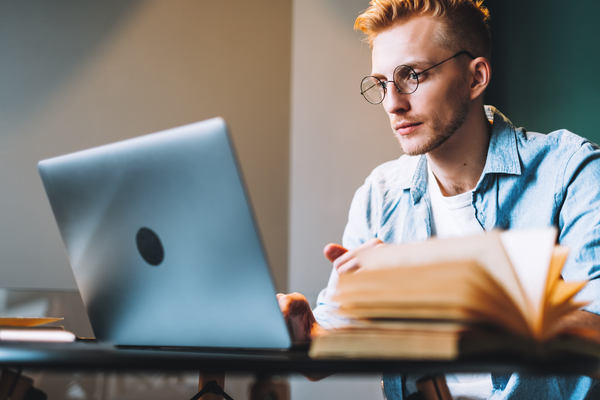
(559, 256)
(36, 335)
(530, 252)
(459, 288)
(26, 321)
(486, 249)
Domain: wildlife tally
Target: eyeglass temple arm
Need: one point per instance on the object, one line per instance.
(449, 58)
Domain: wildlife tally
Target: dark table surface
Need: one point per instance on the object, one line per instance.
(91, 356)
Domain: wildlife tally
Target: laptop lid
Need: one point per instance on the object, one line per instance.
(163, 243)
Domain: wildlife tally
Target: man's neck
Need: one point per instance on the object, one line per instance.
(458, 163)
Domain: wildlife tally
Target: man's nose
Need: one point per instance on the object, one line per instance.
(395, 101)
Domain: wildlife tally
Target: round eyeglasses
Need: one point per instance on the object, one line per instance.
(406, 81)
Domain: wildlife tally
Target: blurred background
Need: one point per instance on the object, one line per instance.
(285, 75)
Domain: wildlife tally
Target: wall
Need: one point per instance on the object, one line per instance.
(545, 61)
(80, 74)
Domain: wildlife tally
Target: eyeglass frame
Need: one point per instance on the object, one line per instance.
(417, 74)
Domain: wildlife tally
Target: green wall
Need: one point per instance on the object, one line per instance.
(546, 64)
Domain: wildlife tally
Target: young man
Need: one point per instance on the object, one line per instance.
(466, 169)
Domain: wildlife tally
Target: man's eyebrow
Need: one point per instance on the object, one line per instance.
(416, 63)
(420, 63)
(379, 76)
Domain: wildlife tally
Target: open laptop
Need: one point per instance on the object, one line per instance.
(163, 243)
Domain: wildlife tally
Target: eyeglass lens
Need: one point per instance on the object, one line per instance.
(372, 89)
(405, 79)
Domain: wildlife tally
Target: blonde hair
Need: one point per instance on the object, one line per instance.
(465, 21)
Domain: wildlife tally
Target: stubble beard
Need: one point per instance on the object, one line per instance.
(441, 129)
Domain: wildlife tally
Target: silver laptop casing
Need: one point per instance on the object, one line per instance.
(212, 288)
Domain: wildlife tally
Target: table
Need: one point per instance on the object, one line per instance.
(91, 356)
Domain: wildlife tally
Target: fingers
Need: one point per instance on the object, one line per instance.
(292, 303)
(333, 250)
(371, 243)
(348, 262)
(349, 266)
(298, 316)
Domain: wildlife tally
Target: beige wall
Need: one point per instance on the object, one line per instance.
(79, 74)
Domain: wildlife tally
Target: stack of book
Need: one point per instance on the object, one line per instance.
(445, 298)
(22, 329)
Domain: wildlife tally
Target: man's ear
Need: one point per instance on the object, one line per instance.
(481, 73)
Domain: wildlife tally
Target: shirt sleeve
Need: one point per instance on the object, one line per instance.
(579, 222)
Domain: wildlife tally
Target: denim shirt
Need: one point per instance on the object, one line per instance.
(529, 180)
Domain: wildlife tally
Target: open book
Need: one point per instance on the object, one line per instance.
(447, 297)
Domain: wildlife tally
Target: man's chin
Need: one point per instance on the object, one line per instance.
(411, 149)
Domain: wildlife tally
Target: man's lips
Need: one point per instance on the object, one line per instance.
(404, 128)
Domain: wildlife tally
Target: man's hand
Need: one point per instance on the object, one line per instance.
(298, 317)
(295, 308)
(300, 321)
(344, 260)
(582, 322)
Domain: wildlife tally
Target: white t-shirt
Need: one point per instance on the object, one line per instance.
(450, 217)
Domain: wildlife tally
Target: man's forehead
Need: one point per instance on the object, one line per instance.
(406, 42)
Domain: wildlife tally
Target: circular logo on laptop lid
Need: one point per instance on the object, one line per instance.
(149, 246)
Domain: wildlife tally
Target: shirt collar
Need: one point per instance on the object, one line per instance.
(502, 156)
